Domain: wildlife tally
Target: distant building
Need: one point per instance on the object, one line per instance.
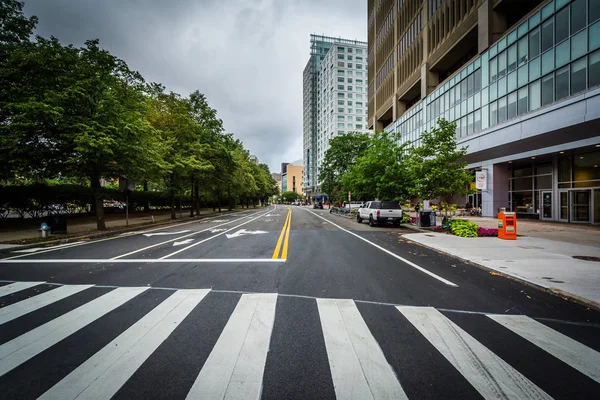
(335, 99)
(277, 177)
(291, 179)
(253, 158)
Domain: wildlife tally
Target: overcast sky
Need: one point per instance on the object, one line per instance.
(246, 56)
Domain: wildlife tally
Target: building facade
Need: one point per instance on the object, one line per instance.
(335, 99)
(521, 81)
(291, 177)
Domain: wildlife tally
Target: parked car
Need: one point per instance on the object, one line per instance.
(318, 204)
(380, 212)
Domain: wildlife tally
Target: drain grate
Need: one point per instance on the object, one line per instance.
(587, 258)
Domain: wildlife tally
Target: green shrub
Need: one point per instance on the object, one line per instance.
(463, 228)
(405, 218)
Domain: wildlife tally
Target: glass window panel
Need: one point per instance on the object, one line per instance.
(512, 37)
(477, 80)
(522, 30)
(548, 10)
(463, 89)
(512, 58)
(578, 75)
(562, 83)
(543, 182)
(493, 113)
(470, 104)
(594, 13)
(522, 101)
(523, 76)
(512, 81)
(534, 68)
(469, 124)
(470, 85)
(547, 61)
(477, 121)
(594, 34)
(477, 100)
(578, 45)
(501, 87)
(502, 110)
(502, 64)
(547, 89)
(522, 183)
(501, 44)
(534, 43)
(522, 51)
(594, 69)
(463, 108)
(562, 54)
(562, 25)
(535, 100)
(463, 126)
(457, 93)
(547, 34)
(560, 3)
(512, 105)
(494, 69)
(534, 20)
(577, 15)
(484, 96)
(485, 121)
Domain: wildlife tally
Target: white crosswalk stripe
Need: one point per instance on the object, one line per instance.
(234, 369)
(235, 366)
(30, 344)
(41, 300)
(491, 376)
(102, 375)
(17, 287)
(569, 351)
(358, 367)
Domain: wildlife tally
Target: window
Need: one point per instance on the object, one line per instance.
(359, 104)
(594, 68)
(512, 105)
(349, 110)
(359, 51)
(341, 125)
(578, 75)
(579, 45)
(340, 56)
(340, 64)
(358, 119)
(562, 83)
(340, 95)
(534, 43)
(349, 87)
(577, 15)
(349, 103)
(522, 76)
(340, 118)
(350, 126)
(562, 25)
(502, 64)
(522, 51)
(359, 89)
(469, 124)
(470, 86)
(359, 81)
(340, 87)
(340, 109)
(359, 126)
(349, 49)
(341, 49)
(349, 95)
(358, 73)
(340, 79)
(522, 101)
(493, 113)
(358, 59)
(340, 102)
(349, 58)
(349, 73)
(358, 110)
(340, 72)
(594, 11)
(359, 96)
(358, 66)
(562, 53)
(463, 89)
(547, 34)
(512, 58)
(349, 80)
(502, 110)
(547, 89)
(477, 121)
(535, 100)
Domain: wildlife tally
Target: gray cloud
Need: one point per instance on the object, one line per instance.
(247, 57)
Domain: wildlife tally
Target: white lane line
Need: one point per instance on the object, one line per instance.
(358, 366)
(210, 238)
(569, 351)
(404, 260)
(16, 287)
(142, 260)
(103, 374)
(30, 344)
(491, 376)
(59, 247)
(175, 239)
(36, 249)
(234, 369)
(21, 308)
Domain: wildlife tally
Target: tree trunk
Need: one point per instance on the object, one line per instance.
(197, 198)
(98, 202)
(219, 202)
(192, 200)
(146, 202)
(173, 211)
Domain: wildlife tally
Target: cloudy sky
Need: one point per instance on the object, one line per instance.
(246, 56)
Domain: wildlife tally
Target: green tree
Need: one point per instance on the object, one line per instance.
(289, 196)
(435, 167)
(381, 172)
(341, 155)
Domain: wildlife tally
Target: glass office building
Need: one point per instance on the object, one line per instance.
(528, 108)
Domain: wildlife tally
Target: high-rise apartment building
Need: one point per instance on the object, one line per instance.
(520, 78)
(335, 99)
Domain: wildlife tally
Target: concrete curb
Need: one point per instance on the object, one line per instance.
(548, 289)
(111, 232)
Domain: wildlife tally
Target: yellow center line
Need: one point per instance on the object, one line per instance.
(278, 247)
(287, 238)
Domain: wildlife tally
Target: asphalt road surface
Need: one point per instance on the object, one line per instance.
(282, 303)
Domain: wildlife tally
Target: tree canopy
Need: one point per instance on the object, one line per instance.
(82, 114)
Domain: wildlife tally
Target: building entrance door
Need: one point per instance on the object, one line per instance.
(546, 205)
(563, 211)
(581, 205)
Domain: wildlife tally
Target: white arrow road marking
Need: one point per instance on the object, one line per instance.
(34, 249)
(186, 241)
(164, 233)
(217, 230)
(272, 215)
(243, 232)
(219, 220)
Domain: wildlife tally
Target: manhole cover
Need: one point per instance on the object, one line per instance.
(587, 258)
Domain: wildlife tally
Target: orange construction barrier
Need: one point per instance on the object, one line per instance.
(507, 226)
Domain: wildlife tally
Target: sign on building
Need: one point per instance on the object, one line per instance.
(481, 180)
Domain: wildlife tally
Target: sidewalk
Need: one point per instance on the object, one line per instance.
(28, 229)
(544, 257)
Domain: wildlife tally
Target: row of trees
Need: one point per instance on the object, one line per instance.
(378, 166)
(81, 114)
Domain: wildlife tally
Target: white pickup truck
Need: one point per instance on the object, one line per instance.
(377, 212)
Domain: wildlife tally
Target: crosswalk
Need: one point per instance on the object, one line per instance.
(95, 342)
